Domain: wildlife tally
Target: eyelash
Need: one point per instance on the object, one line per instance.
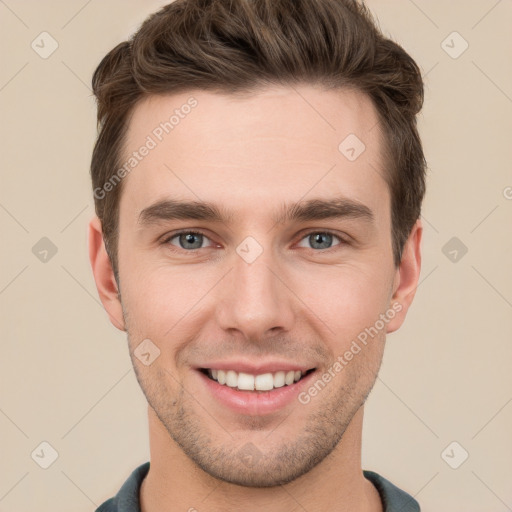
(167, 239)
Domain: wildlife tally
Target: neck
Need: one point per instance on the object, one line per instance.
(175, 482)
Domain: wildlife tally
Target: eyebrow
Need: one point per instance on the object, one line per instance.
(302, 211)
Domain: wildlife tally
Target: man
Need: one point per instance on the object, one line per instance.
(258, 179)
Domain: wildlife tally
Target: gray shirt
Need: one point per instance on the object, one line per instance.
(127, 499)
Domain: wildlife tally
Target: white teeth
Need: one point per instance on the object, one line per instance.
(290, 376)
(231, 379)
(264, 382)
(248, 382)
(278, 379)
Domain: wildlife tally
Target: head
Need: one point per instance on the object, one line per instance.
(265, 117)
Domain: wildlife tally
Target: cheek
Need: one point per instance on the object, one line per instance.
(159, 297)
(346, 299)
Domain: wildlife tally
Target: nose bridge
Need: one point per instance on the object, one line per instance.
(255, 300)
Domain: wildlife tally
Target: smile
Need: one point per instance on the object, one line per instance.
(247, 382)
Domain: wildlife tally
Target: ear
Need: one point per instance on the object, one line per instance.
(104, 275)
(406, 277)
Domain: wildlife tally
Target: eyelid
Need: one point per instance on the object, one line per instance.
(303, 234)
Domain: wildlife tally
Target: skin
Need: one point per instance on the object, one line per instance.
(296, 301)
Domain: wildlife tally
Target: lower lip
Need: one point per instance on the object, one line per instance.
(255, 403)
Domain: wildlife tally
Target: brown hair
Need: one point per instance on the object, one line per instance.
(235, 46)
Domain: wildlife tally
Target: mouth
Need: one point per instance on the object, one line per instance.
(263, 382)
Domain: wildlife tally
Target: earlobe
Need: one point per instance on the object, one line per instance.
(104, 275)
(406, 278)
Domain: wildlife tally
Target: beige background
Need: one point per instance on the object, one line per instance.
(66, 376)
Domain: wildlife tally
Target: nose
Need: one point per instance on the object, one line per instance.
(255, 300)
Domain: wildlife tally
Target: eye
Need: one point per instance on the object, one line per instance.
(194, 240)
(321, 240)
(187, 240)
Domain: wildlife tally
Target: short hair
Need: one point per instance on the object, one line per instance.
(236, 46)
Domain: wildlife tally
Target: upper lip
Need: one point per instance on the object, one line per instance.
(258, 368)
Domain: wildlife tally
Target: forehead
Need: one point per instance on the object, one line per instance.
(244, 149)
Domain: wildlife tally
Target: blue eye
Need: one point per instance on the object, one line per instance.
(193, 240)
(190, 240)
(321, 239)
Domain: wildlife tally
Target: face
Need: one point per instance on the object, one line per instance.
(287, 267)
